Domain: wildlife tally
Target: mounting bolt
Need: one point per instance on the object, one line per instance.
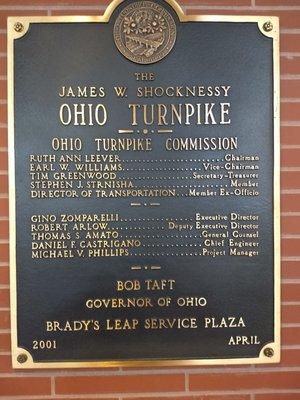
(22, 358)
(268, 352)
(18, 27)
(268, 26)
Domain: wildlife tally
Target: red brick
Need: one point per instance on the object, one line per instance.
(3, 65)
(4, 298)
(29, 386)
(3, 89)
(4, 320)
(290, 157)
(215, 2)
(288, 19)
(107, 2)
(3, 184)
(3, 207)
(249, 381)
(4, 342)
(290, 224)
(290, 180)
(290, 292)
(290, 247)
(3, 229)
(18, 13)
(4, 252)
(290, 65)
(3, 113)
(290, 111)
(290, 314)
(4, 276)
(5, 363)
(3, 137)
(96, 398)
(290, 88)
(193, 397)
(3, 43)
(289, 358)
(281, 396)
(290, 336)
(277, 2)
(3, 161)
(80, 11)
(56, 3)
(290, 202)
(290, 269)
(289, 42)
(119, 384)
(290, 135)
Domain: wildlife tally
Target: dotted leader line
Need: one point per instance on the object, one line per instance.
(160, 169)
(180, 186)
(155, 178)
(175, 160)
(164, 237)
(165, 254)
(172, 245)
(138, 228)
(155, 219)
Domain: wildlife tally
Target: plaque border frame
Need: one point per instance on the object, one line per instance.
(13, 34)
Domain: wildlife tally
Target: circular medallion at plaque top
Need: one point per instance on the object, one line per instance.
(144, 32)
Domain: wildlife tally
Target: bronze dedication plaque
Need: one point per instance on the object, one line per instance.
(144, 188)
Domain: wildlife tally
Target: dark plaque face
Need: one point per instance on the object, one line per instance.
(144, 188)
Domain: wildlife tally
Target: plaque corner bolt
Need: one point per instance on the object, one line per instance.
(18, 27)
(22, 358)
(269, 352)
(268, 26)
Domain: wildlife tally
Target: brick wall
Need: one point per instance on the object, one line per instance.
(276, 382)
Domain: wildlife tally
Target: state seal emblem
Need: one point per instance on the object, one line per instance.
(144, 32)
